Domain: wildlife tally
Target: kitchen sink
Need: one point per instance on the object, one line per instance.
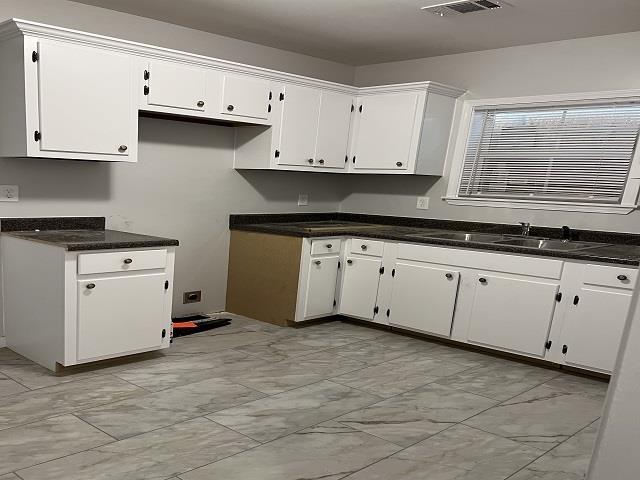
(464, 237)
(546, 244)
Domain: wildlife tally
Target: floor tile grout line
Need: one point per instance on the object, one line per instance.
(97, 428)
(555, 447)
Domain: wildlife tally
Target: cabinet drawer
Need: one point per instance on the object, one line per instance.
(605, 276)
(121, 261)
(328, 245)
(367, 247)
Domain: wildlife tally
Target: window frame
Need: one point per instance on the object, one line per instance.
(632, 188)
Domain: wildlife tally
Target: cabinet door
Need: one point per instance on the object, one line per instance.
(321, 286)
(360, 286)
(245, 96)
(176, 85)
(424, 298)
(299, 127)
(85, 100)
(333, 130)
(385, 131)
(120, 315)
(513, 314)
(594, 327)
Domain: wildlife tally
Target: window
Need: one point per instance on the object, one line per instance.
(563, 155)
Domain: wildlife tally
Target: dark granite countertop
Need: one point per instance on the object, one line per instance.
(616, 247)
(78, 233)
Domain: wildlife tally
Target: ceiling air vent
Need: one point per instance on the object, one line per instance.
(458, 7)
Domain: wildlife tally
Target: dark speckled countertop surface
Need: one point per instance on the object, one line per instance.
(608, 247)
(76, 234)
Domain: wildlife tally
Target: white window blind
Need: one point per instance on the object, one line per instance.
(576, 153)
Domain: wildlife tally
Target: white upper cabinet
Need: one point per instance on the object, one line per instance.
(299, 127)
(78, 97)
(175, 85)
(85, 100)
(386, 131)
(333, 130)
(246, 97)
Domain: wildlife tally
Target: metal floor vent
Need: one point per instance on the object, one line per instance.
(459, 7)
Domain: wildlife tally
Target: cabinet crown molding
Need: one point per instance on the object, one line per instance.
(16, 27)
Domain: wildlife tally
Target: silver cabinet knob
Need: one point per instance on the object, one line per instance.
(329, 245)
(200, 103)
(91, 286)
(349, 262)
(128, 261)
(321, 161)
(398, 164)
(310, 160)
(317, 262)
(482, 280)
(449, 276)
(363, 247)
(122, 148)
(230, 108)
(623, 278)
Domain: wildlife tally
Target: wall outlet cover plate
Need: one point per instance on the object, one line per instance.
(422, 203)
(303, 200)
(9, 193)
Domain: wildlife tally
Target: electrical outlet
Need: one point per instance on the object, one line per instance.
(192, 297)
(303, 200)
(9, 193)
(423, 203)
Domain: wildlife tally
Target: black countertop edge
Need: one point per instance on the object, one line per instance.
(76, 247)
(598, 236)
(51, 223)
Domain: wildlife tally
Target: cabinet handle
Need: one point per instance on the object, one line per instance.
(310, 160)
(482, 280)
(201, 104)
(122, 148)
(321, 161)
(230, 108)
(349, 262)
(91, 286)
(623, 278)
(127, 261)
(363, 247)
(329, 245)
(398, 164)
(317, 262)
(449, 276)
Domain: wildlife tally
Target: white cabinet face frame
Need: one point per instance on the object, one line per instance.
(99, 121)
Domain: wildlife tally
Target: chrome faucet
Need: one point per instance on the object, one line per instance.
(526, 228)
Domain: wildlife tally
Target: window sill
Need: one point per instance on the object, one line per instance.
(541, 205)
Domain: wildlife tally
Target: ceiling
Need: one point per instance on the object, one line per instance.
(360, 32)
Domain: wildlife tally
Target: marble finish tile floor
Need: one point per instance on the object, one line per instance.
(328, 401)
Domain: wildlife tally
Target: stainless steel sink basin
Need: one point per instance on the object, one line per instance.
(545, 244)
(464, 237)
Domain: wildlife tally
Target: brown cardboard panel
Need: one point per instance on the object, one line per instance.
(262, 281)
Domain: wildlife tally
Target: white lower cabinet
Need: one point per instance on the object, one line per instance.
(424, 298)
(565, 312)
(120, 315)
(513, 313)
(321, 286)
(360, 286)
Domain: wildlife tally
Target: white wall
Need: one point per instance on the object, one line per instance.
(590, 64)
(619, 436)
(183, 185)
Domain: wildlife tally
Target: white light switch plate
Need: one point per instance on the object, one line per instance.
(303, 200)
(9, 193)
(422, 203)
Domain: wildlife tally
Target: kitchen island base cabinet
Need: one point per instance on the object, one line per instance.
(424, 298)
(512, 313)
(57, 316)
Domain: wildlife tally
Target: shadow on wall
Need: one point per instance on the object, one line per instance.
(385, 188)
